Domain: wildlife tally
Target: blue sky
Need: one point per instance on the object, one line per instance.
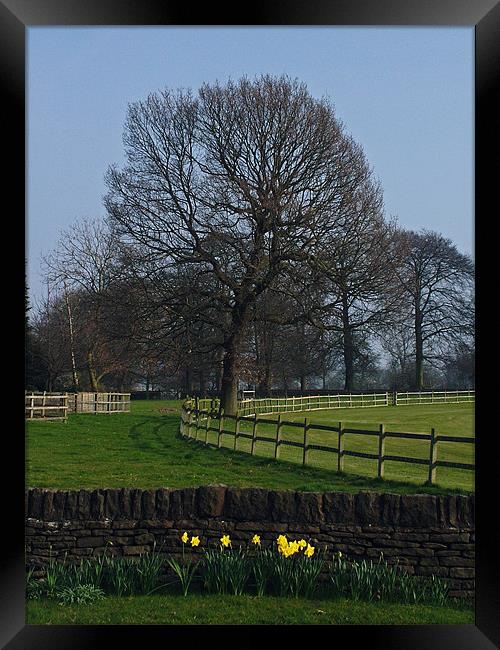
(405, 94)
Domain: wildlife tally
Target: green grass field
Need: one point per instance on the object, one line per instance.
(446, 419)
(142, 449)
(208, 609)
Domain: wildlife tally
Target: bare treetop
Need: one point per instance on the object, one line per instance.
(240, 181)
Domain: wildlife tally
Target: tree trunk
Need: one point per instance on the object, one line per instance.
(71, 340)
(187, 381)
(231, 345)
(229, 383)
(303, 383)
(419, 352)
(201, 376)
(94, 384)
(348, 347)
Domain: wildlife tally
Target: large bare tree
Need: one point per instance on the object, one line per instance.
(238, 181)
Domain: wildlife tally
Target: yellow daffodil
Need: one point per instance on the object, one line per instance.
(256, 539)
(282, 540)
(184, 538)
(294, 547)
(309, 550)
(339, 554)
(195, 541)
(302, 543)
(225, 541)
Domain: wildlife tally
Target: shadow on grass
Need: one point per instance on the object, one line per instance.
(153, 432)
(311, 476)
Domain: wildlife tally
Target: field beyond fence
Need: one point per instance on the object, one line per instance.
(203, 420)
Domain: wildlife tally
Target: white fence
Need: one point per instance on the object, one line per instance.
(46, 406)
(435, 397)
(311, 403)
(99, 402)
(267, 405)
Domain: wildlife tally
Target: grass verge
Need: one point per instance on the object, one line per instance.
(209, 609)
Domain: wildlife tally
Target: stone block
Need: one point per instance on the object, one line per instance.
(457, 561)
(367, 508)
(281, 505)
(182, 504)
(47, 508)
(59, 504)
(71, 509)
(89, 542)
(35, 503)
(162, 503)
(462, 572)
(210, 500)
(418, 511)
(112, 503)
(309, 507)
(465, 511)
(389, 509)
(135, 550)
(338, 507)
(149, 504)
(135, 503)
(83, 504)
(96, 504)
(246, 504)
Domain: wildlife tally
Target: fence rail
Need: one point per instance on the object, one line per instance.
(195, 420)
(46, 406)
(435, 397)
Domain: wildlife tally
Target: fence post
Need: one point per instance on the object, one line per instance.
(207, 426)
(198, 413)
(236, 431)
(254, 434)
(221, 427)
(381, 451)
(432, 457)
(340, 457)
(278, 438)
(305, 450)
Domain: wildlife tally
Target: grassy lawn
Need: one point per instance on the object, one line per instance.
(447, 419)
(142, 449)
(209, 609)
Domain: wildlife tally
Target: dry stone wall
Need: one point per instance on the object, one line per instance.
(427, 534)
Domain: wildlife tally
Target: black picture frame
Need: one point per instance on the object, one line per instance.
(18, 15)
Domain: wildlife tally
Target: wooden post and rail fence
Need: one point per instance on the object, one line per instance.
(56, 406)
(194, 418)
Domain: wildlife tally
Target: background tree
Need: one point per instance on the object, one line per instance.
(84, 265)
(437, 281)
(351, 290)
